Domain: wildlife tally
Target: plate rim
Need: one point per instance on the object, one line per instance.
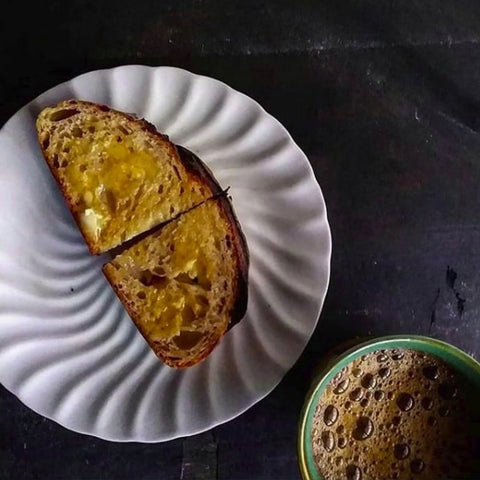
(327, 254)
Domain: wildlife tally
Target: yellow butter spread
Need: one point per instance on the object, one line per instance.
(175, 278)
(121, 184)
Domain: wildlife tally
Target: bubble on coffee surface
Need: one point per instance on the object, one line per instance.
(405, 402)
(397, 354)
(328, 441)
(401, 451)
(379, 395)
(427, 403)
(381, 357)
(430, 372)
(363, 428)
(447, 391)
(357, 372)
(384, 372)
(356, 394)
(342, 386)
(369, 381)
(353, 472)
(444, 411)
(396, 414)
(330, 416)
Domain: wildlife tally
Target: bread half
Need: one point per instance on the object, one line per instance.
(185, 284)
(119, 176)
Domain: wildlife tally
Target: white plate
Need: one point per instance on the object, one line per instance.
(69, 351)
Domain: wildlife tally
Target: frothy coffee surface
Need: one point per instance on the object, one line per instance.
(397, 414)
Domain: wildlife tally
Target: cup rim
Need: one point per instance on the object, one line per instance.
(454, 356)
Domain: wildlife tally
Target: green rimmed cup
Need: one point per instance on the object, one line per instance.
(453, 356)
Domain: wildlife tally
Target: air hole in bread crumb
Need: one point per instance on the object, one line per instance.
(77, 132)
(160, 189)
(172, 247)
(142, 295)
(172, 209)
(228, 241)
(202, 301)
(82, 167)
(187, 340)
(111, 200)
(221, 305)
(181, 189)
(56, 164)
(176, 171)
(149, 280)
(58, 115)
(186, 279)
(46, 143)
(91, 129)
(159, 271)
(64, 163)
(123, 130)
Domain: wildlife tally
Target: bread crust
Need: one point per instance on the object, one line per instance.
(196, 169)
(243, 260)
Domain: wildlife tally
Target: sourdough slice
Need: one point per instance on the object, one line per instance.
(119, 176)
(185, 284)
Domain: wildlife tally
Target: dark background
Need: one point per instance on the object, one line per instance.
(383, 96)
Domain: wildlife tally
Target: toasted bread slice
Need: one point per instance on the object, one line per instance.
(185, 284)
(119, 176)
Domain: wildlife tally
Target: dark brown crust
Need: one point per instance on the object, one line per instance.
(241, 247)
(243, 260)
(198, 169)
(175, 362)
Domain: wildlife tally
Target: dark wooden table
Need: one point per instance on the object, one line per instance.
(383, 97)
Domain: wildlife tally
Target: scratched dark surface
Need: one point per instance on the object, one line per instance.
(382, 96)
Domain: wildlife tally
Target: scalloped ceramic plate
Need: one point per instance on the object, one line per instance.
(69, 351)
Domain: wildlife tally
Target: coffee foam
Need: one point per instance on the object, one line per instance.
(395, 414)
